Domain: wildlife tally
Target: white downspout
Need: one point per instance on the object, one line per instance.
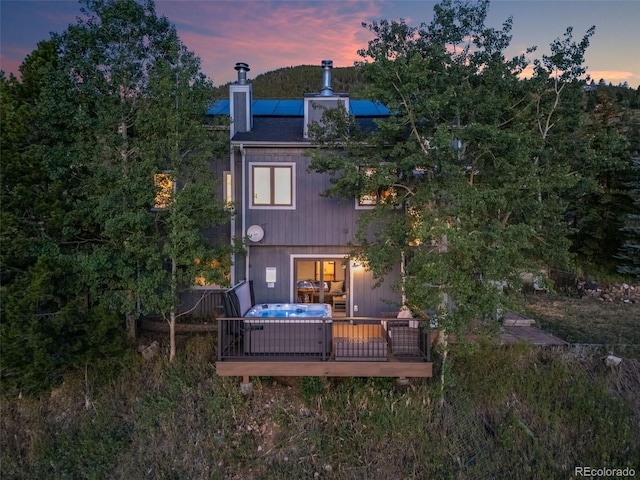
(233, 217)
(244, 210)
(402, 275)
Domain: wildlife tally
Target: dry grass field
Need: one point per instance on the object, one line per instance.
(587, 320)
(517, 411)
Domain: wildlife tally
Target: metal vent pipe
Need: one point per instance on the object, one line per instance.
(326, 91)
(242, 69)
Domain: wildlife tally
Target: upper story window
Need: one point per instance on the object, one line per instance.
(376, 195)
(164, 190)
(272, 185)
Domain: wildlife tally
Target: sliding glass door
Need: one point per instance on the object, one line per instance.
(321, 280)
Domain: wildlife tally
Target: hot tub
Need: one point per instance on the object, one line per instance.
(290, 310)
(276, 328)
(288, 329)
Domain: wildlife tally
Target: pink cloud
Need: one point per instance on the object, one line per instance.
(270, 35)
(613, 76)
(12, 57)
(10, 65)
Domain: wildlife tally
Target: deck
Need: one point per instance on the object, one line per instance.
(333, 347)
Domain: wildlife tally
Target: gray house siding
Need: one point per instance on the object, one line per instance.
(370, 301)
(317, 226)
(316, 220)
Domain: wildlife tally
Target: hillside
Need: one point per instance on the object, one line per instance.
(294, 82)
(507, 412)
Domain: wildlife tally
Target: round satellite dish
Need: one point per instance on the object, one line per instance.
(255, 233)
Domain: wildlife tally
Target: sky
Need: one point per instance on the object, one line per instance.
(270, 34)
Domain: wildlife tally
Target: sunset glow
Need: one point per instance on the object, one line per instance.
(272, 34)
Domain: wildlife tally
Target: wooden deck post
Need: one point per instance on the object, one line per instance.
(402, 384)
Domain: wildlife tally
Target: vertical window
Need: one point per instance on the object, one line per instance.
(262, 186)
(228, 189)
(164, 190)
(272, 186)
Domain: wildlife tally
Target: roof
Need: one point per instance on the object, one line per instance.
(282, 121)
(295, 108)
(274, 129)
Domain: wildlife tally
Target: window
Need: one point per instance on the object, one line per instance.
(164, 190)
(272, 185)
(416, 227)
(375, 196)
(222, 274)
(228, 189)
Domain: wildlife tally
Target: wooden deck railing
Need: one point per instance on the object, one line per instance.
(350, 339)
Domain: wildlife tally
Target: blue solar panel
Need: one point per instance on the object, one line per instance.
(295, 108)
(264, 107)
(367, 108)
(290, 108)
(221, 107)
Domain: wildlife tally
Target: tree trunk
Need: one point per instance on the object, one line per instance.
(445, 353)
(442, 324)
(131, 319)
(172, 335)
(130, 316)
(132, 330)
(172, 313)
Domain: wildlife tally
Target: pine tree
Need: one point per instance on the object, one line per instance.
(470, 168)
(629, 254)
(103, 109)
(138, 103)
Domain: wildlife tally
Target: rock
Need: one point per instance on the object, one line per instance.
(626, 290)
(151, 351)
(590, 286)
(612, 361)
(246, 388)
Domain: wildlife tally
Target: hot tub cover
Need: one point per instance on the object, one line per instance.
(239, 299)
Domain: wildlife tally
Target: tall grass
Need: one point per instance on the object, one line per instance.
(509, 412)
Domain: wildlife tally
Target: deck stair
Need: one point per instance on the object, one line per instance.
(516, 320)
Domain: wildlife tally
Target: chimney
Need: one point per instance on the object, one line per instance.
(241, 102)
(316, 104)
(326, 91)
(242, 69)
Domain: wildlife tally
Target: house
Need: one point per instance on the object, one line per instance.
(297, 249)
(297, 237)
